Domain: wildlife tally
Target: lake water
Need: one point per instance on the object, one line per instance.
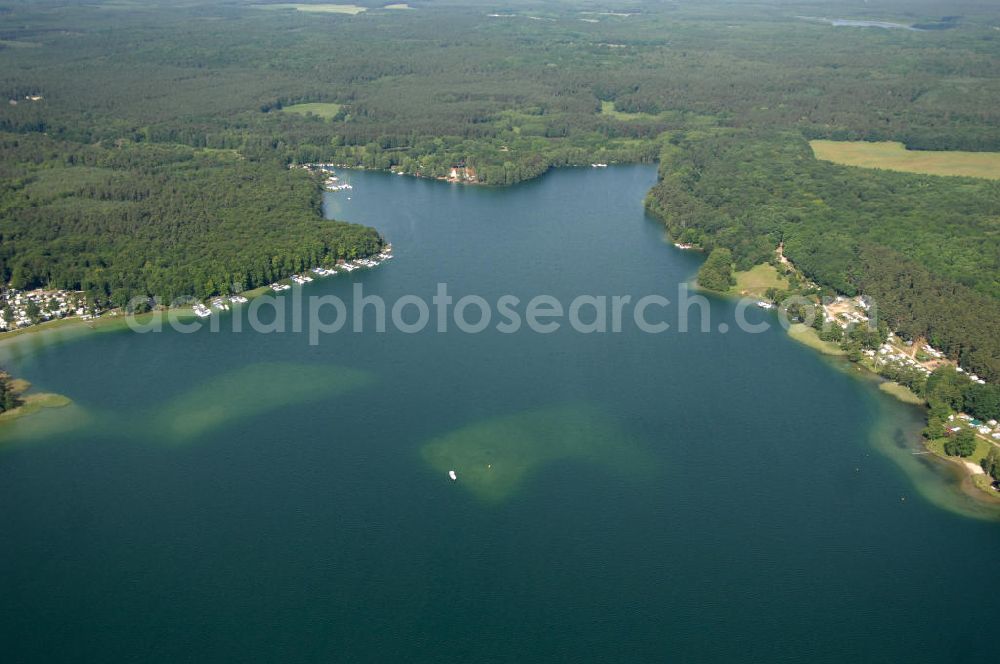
(620, 497)
(855, 23)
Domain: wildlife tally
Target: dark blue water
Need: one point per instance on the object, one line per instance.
(688, 497)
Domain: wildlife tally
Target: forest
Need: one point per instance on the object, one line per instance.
(145, 144)
(139, 220)
(926, 249)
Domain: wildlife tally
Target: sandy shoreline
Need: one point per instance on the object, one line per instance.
(974, 468)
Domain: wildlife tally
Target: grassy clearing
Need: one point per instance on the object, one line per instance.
(318, 9)
(901, 392)
(608, 108)
(808, 336)
(323, 110)
(895, 157)
(982, 449)
(758, 279)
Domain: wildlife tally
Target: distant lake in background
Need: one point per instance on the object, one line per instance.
(856, 23)
(620, 496)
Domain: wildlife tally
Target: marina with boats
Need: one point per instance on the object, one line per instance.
(332, 181)
(224, 304)
(301, 279)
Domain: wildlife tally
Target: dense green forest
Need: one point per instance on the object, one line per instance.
(134, 220)
(145, 144)
(925, 248)
(446, 82)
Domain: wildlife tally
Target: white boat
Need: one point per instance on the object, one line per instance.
(452, 475)
(599, 165)
(765, 305)
(337, 186)
(201, 311)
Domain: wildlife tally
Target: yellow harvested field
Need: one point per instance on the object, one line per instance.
(895, 157)
(318, 9)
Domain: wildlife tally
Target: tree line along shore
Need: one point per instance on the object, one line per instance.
(962, 408)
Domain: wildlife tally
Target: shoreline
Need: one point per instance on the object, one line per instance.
(115, 318)
(970, 478)
(109, 321)
(30, 403)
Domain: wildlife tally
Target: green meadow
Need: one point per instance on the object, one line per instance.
(893, 156)
(320, 109)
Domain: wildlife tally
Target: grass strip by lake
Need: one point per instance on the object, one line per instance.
(893, 156)
(808, 336)
(901, 392)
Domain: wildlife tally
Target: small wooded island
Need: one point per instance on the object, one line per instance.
(9, 398)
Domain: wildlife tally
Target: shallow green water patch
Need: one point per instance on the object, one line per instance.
(29, 424)
(252, 390)
(494, 458)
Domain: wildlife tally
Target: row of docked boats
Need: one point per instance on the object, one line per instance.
(333, 183)
(220, 303)
(347, 266)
